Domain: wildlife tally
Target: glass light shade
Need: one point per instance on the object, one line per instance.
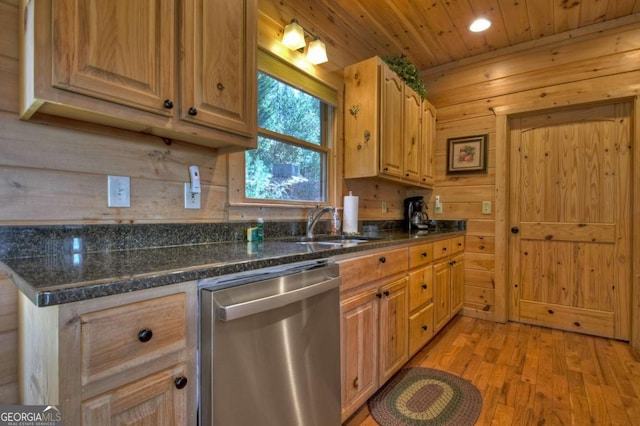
(317, 52)
(479, 25)
(293, 36)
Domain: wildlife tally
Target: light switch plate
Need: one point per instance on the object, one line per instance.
(191, 200)
(486, 207)
(118, 191)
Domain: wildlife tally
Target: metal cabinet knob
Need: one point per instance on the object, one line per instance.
(180, 382)
(145, 335)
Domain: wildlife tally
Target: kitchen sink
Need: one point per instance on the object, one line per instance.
(338, 243)
(333, 240)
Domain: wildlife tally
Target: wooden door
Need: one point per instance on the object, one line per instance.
(394, 323)
(570, 264)
(412, 110)
(391, 123)
(359, 349)
(219, 80)
(120, 51)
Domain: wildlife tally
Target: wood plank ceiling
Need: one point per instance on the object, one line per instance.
(432, 33)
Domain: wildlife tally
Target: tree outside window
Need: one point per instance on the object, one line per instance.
(291, 159)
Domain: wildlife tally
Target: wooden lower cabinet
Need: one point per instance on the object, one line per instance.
(122, 359)
(394, 320)
(448, 288)
(374, 342)
(420, 328)
(359, 349)
(441, 294)
(153, 400)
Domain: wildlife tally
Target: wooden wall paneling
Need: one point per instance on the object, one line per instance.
(598, 66)
(372, 193)
(478, 278)
(484, 227)
(575, 93)
(49, 168)
(480, 261)
(600, 40)
(479, 296)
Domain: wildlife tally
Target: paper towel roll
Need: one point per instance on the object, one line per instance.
(350, 215)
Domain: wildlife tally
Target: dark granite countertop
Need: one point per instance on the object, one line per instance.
(70, 276)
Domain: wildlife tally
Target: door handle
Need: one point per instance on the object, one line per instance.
(515, 229)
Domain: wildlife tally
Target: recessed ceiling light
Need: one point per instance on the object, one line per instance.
(479, 25)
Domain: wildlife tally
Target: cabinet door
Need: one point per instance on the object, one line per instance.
(427, 138)
(420, 287)
(394, 334)
(441, 294)
(411, 138)
(118, 51)
(219, 65)
(154, 400)
(359, 349)
(391, 160)
(457, 283)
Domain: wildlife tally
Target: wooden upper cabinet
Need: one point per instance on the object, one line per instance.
(427, 143)
(219, 65)
(118, 51)
(117, 63)
(411, 136)
(391, 107)
(383, 127)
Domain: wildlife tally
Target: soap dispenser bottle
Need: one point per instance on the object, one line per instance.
(335, 222)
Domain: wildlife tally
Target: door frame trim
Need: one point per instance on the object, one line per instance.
(501, 273)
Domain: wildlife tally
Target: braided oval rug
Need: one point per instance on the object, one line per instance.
(424, 396)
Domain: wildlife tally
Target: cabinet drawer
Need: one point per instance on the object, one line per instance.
(441, 249)
(420, 328)
(457, 244)
(128, 336)
(365, 269)
(420, 287)
(420, 255)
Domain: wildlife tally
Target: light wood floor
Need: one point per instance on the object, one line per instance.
(531, 375)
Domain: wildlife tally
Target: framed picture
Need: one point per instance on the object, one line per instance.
(467, 154)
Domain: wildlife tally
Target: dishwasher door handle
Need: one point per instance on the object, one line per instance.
(252, 307)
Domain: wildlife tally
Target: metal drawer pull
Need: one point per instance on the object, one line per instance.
(180, 382)
(145, 335)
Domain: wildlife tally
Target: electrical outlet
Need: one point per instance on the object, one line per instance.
(437, 205)
(384, 207)
(486, 207)
(191, 199)
(118, 191)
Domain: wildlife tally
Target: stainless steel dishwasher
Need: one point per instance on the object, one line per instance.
(270, 349)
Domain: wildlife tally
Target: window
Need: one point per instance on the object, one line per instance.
(291, 161)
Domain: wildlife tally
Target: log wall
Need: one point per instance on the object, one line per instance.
(476, 96)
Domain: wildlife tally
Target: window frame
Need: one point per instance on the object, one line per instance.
(297, 78)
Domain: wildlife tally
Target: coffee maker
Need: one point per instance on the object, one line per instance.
(415, 213)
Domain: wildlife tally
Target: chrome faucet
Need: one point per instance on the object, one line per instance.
(314, 216)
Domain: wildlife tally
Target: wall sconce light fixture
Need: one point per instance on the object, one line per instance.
(294, 39)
